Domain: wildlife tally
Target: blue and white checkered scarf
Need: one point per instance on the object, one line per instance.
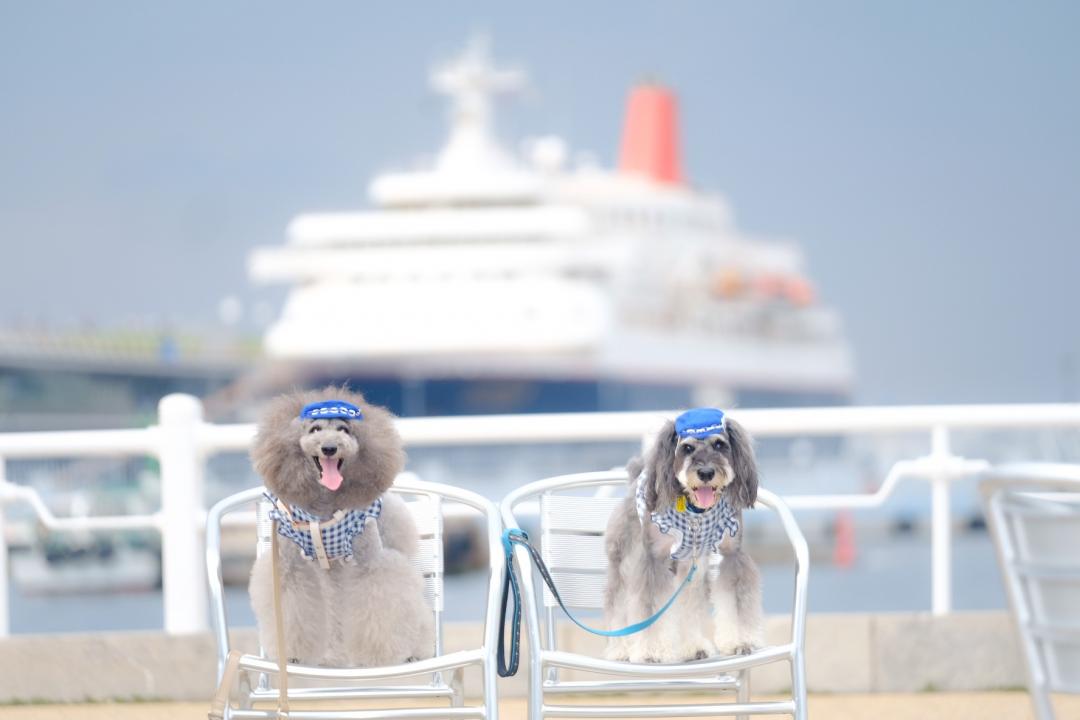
(337, 532)
(696, 532)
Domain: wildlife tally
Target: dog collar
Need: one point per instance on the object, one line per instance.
(697, 532)
(683, 504)
(322, 539)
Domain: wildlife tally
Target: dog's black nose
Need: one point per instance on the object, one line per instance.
(704, 474)
(328, 451)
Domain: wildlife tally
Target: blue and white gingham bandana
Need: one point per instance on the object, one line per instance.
(696, 532)
(337, 532)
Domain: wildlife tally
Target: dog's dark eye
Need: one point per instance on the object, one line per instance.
(687, 449)
(314, 429)
(718, 445)
(343, 429)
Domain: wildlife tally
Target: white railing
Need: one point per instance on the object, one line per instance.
(182, 442)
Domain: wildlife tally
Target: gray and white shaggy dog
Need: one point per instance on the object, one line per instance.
(367, 608)
(711, 475)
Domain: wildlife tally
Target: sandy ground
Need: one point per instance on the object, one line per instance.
(923, 706)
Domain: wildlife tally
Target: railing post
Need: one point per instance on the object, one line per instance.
(940, 524)
(5, 619)
(182, 572)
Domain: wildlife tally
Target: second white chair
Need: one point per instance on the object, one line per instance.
(572, 545)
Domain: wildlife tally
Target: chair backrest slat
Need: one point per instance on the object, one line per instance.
(428, 560)
(263, 526)
(579, 590)
(572, 545)
(576, 513)
(575, 552)
(426, 515)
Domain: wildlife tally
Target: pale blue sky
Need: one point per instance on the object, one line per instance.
(924, 153)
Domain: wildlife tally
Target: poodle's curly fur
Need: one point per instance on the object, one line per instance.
(719, 612)
(369, 611)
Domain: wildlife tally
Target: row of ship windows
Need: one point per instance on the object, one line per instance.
(592, 274)
(657, 219)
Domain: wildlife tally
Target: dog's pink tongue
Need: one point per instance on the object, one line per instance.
(704, 497)
(331, 476)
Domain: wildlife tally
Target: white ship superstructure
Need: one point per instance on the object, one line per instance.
(487, 264)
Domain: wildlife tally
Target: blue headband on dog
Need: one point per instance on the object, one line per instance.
(331, 409)
(699, 423)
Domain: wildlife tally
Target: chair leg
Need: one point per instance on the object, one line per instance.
(536, 689)
(798, 687)
(1040, 700)
(743, 693)
(457, 687)
(491, 689)
(244, 684)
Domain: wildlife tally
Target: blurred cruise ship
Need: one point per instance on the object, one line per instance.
(492, 283)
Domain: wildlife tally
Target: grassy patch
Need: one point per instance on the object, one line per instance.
(27, 701)
(130, 699)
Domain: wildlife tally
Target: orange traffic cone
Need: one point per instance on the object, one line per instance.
(844, 547)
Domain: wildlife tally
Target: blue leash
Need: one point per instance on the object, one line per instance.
(517, 536)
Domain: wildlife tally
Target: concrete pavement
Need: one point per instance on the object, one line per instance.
(1005, 705)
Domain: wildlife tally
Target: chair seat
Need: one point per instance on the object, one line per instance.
(569, 687)
(693, 668)
(449, 661)
(668, 711)
(424, 713)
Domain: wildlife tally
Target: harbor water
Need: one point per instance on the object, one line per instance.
(892, 575)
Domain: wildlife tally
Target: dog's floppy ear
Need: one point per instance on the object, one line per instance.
(273, 453)
(742, 492)
(663, 486)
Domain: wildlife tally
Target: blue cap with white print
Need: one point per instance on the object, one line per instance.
(331, 409)
(699, 423)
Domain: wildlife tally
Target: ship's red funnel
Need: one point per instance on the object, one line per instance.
(650, 142)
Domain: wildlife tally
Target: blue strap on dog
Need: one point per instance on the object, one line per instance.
(328, 409)
(517, 536)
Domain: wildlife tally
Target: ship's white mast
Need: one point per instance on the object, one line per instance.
(472, 81)
(471, 168)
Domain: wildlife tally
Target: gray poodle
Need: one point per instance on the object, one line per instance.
(350, 596)
(685, 503)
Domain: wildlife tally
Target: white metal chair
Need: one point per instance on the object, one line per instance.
(572, 545)
(444, 672)
(1033, 512)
